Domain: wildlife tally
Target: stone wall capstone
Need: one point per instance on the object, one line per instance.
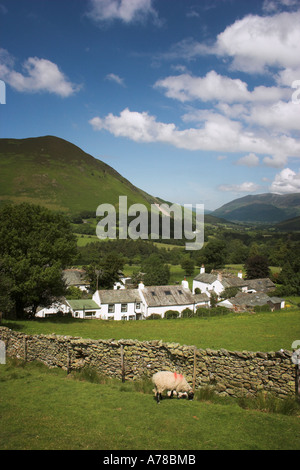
(231, 373)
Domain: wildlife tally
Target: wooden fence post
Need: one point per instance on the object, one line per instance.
(122, 364)
(194, 372)
(68, 360)
(25, 348)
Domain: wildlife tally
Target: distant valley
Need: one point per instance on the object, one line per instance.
(57, 174)
(265, 208)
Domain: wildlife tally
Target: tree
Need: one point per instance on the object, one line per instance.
(74, 293)
(105, 272)
(36, 244)
(6, 303)
(229, 292)
(156, 272)
(257, 267)
(214, 255)
(188, 265)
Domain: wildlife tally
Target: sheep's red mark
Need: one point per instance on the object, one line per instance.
(180, 376)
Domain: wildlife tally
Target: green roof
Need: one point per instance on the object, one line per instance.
(81, 304)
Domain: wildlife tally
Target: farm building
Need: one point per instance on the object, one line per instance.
(119, 304)
(243, 301)
(76, 278)
(217, 283)
(137, 304)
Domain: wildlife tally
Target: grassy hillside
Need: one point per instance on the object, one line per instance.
(236, 332)
(270, 208)
(290, 225)
(35, 415)
(59, 175)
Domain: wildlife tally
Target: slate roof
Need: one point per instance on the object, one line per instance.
(75, 277)
(228, 281)
(200, 298)
(119, 296)
(249, 300)
(156, 296)
(261, 285)
(206, 278)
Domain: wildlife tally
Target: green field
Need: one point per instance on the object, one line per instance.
(253, 332)
(43, 408)
(46, 409)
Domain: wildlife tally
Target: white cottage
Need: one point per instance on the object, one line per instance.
(119, 304)
(160, 299)
(217, 283)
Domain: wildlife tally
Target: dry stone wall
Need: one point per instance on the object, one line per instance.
(231, 373)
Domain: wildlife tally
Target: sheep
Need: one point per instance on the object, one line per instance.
(166, 380)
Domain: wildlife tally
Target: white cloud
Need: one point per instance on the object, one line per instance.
(249, 160)
(124, 10)
(211, 87)
(40, 75)
(246, 187)
(216, 133)
(287, 76)
(217, 87)
(139, 127)
(287, 181)
(281, 116)
(256, 43)
(115, 78)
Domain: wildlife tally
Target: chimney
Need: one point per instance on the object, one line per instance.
(141, 286)
(202, 269)
(220, 277)
(240, 274)
(185, 284)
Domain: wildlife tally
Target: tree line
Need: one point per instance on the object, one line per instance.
(36, 245)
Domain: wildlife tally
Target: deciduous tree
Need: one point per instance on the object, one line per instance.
(36, 244)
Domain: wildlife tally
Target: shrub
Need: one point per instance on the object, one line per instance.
(154, 316)
(211, 312)
(187, 313)
(171, 314)
(201, 312)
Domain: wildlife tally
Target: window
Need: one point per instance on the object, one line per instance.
(179, 291)
(123, 307)
(153, 293)
(131, 317)
(123, 317)
(111, 308)
(89, 314)
(138, 305)
(167, 292)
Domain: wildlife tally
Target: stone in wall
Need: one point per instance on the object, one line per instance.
(231, 373)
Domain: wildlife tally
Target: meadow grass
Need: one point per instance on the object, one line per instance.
(47, 409)
(266, 332)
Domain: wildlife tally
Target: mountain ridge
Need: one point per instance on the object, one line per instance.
(262, 208)
(61, 176)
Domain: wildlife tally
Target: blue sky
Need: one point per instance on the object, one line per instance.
(191, 100)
